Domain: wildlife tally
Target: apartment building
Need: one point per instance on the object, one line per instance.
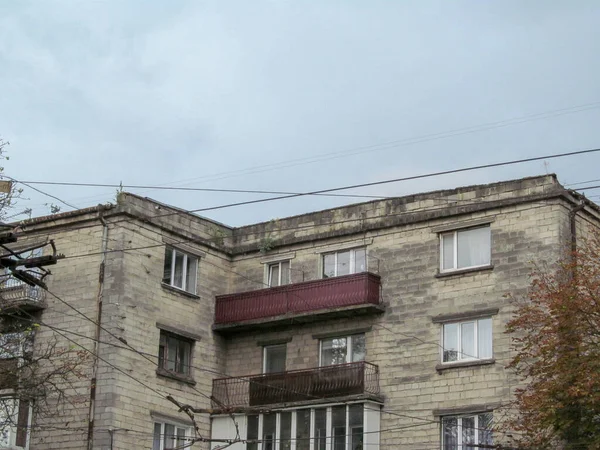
(373, 325)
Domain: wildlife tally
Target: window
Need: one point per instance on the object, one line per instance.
(279, 273)
(180, 270)
(463, 249)
(170, 435)
(467, 340)
(342, 350)
(329, 425)
(14, 422)
(174, 353)
(274, 358)
(344, 262)
(467, 432)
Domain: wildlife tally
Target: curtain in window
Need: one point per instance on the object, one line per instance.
(467, 340)
(474, 247)
(192, 270)
(178, 273)
(450, 342)
(484, 337)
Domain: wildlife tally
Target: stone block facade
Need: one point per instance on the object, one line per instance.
(114, 274)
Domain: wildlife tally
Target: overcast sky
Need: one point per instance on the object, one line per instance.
(306, 94)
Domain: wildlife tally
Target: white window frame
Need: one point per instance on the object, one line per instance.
(460, 355)
(11, 429)
(349, 347)
(186, 258)
(459, 430)
(352, 269)
(278, 264)
(261, 445)
(163, 364)
(265, 351)
(455, 234)
(178, 426)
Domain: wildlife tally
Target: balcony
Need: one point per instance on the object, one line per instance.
(356, 380)
(300, 302)
(15, 294)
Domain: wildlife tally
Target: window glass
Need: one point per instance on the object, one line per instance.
(450, 433)
(275, 356)
(360, 260)
(474, 247)
(269, 425)
(466, 248)
(356, 426)
(303, 429)
(252, 433)
(467, 340)
(171, 353)
(484, 335)
(320, 429)
(338, 427)
(484, 426)
(467, 432)
(192, 270)
(448, 251)
(333, 351)
(178, 272)
(467, 332)
(181, 270)
(450, 342)
(169, 438)
(285, 272)
(181, 439)
(168, 265)
(274, 275)
(285, 442)
(358, 347)
(157, 436)
(174, 353)
(343, 263)
(329, 265)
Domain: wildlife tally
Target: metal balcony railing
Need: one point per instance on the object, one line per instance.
(314, 384)
(14, 293)
(328, 293)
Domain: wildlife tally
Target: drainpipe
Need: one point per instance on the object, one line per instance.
(104, 247)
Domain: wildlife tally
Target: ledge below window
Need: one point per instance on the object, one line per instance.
(464, 271)
(175, 376)
(170, 288)
(464, 364)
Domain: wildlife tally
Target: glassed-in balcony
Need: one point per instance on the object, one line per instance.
(358, 379)
(299, 302)
(16, 294)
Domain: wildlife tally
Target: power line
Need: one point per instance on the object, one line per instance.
(369, 148)
(137, 186)
(378, 183)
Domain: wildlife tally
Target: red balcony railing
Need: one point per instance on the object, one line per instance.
(15, 293)
(315, 384)
(327, 293)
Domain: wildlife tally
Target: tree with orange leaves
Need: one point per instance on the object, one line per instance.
(556, 336)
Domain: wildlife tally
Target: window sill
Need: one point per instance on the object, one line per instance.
(463, 364)
(451, 273)
(168, 287)
(175, 376)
